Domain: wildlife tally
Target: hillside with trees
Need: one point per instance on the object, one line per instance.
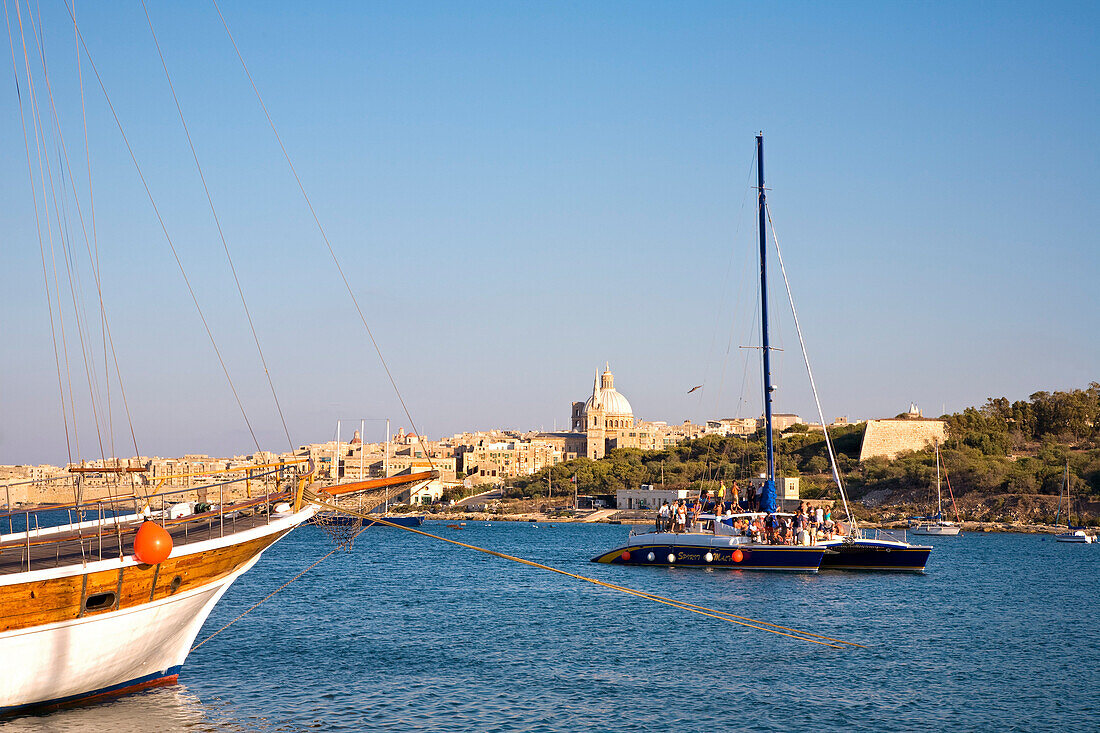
(993, 453)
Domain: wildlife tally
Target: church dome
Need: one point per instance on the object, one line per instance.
(608, 399)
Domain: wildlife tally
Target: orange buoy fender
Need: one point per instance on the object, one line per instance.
(626, 555)
(738, 556)
(153, 544)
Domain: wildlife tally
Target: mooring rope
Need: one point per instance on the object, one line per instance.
(693, 608)
(268, 597)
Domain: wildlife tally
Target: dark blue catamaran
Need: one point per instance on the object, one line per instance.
(713, 542)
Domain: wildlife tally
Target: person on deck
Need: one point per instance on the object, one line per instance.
(759, 496)
(803, 537)
(735, 498)
(663, 518)
(772, 528)
(681, 517)
(717, 515)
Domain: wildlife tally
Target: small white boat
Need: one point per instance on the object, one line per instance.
(935, 526)
(1076, 535)
(936, 529)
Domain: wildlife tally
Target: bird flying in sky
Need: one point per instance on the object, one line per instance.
(699, 386)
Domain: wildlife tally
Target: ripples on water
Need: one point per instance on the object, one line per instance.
(404, 633)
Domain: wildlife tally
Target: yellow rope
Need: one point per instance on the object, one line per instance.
(701, 610)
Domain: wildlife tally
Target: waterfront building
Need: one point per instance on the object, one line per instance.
(649, 497)
(493, 461)
(786, 490)
(732, 426)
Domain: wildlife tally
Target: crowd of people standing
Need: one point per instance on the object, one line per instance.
(807, 526)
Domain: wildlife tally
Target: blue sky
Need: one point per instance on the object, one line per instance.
(520, 192)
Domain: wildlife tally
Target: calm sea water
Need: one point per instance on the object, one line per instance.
(406, 633)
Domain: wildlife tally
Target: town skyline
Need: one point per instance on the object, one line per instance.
(519, 194)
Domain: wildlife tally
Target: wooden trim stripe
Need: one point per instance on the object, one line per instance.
(26, 605)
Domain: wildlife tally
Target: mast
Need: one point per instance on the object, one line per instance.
(1069, 500)
(1062, 490)
(768, 496)
(939, 496)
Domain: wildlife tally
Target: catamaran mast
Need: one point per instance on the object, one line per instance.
(769, 486)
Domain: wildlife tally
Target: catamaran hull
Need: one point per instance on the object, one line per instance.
(876, 555)
(755, 557)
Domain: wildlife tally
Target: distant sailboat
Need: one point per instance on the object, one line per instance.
(936, 526)
(1076, 535)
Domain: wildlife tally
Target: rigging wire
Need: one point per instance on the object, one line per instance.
(38, 220)
(65, 165)
(269, 596)
(324, 236)
(218, 224)
(65, 237)
(725, 279)
(810, 374)
(164, 229)
(103, 328)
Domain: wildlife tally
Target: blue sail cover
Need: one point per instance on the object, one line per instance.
(767, 499)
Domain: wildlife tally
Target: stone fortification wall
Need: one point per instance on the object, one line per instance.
(893, 436)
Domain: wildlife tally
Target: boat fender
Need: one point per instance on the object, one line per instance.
(709, 557)
(626, 555)
(651, 557)
(152, 543)
(671, 558)
(738, 556)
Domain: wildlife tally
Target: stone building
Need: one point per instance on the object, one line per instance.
(892, 436)
(491, 461)
(606, 419)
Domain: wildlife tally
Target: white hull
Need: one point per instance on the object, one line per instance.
(117, 651)
(1079, 537)
(935, 530)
